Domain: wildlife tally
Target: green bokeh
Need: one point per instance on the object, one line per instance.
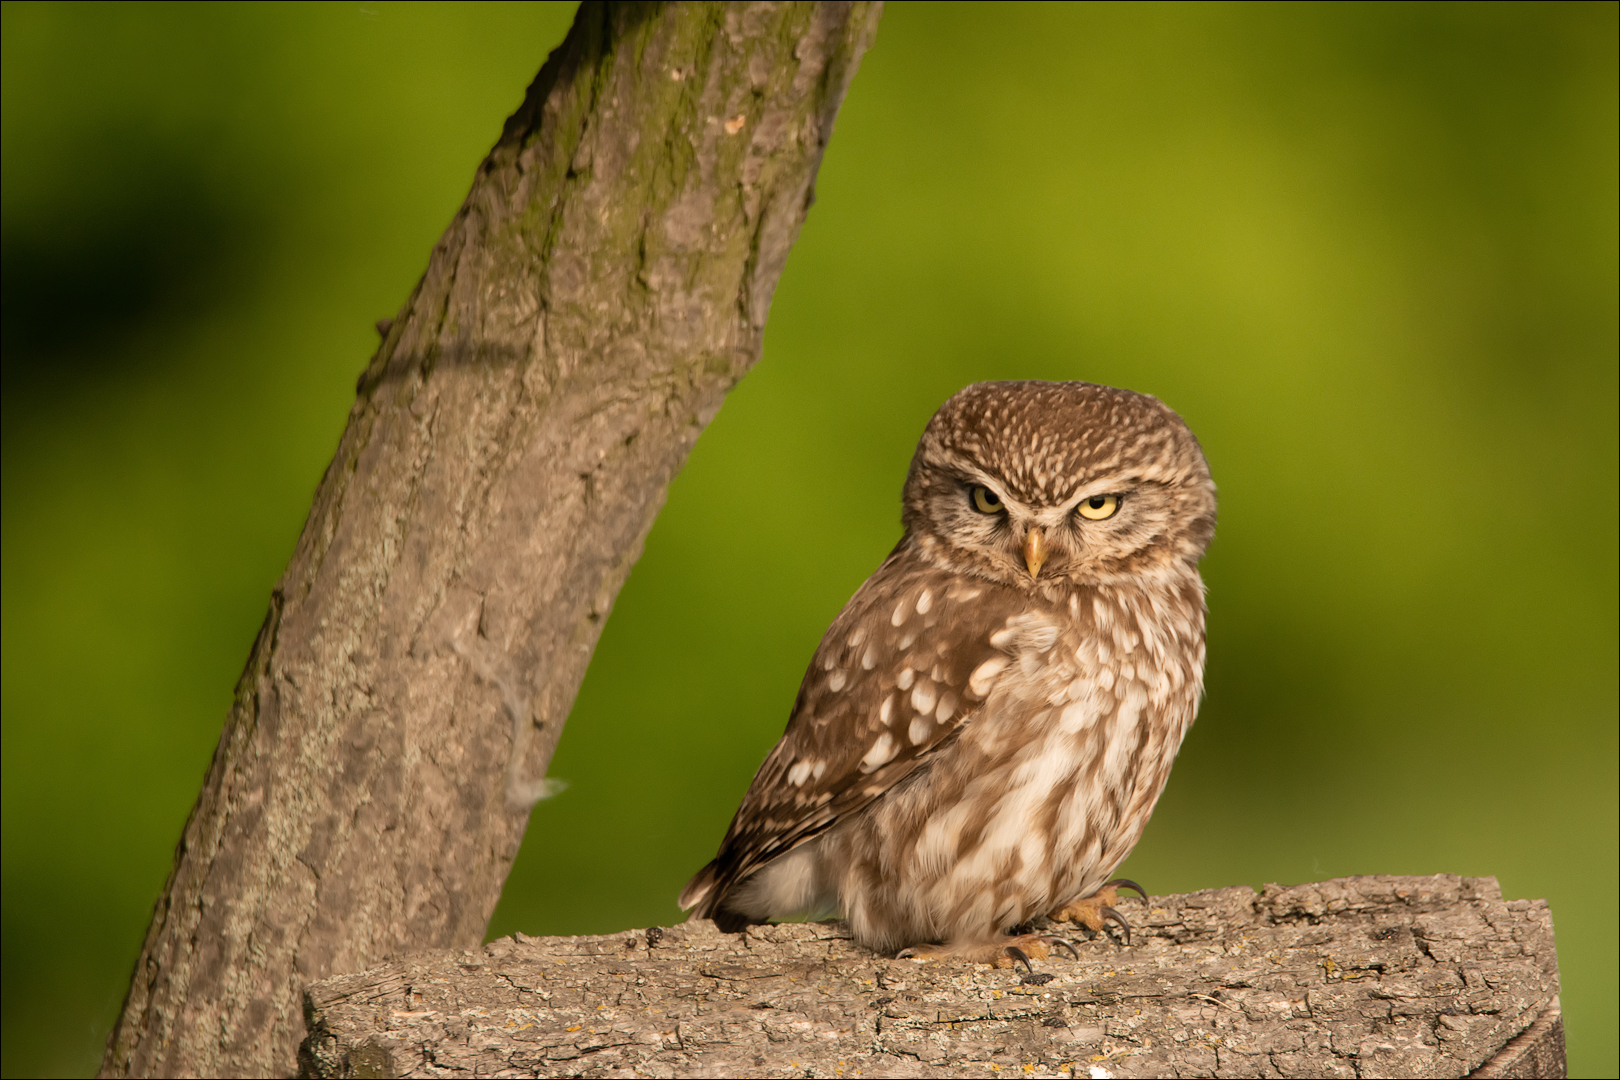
(1368, 251)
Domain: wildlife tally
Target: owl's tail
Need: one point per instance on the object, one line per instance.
(702, 895)
(698, 890)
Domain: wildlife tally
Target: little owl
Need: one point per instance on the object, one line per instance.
(986, 726)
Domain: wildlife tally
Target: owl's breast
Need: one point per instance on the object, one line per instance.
(1110, 705)
(1105, 677)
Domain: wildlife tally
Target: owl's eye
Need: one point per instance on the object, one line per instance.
(1099, 507)
(985, 501)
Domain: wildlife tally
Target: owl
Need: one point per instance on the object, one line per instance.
(985, 728)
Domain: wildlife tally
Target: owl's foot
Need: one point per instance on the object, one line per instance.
(1001, 952)
(1097, 910)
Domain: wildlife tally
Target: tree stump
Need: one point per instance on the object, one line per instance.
(1365, 976)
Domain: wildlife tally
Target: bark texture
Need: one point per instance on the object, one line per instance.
(604, 285)
(1358, 977)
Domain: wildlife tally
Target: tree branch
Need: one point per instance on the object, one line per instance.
(1370, 976)
(604, 285)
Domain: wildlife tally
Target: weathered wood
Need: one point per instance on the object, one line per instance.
(604, 285)
(1538, 1051)
(1357, 977)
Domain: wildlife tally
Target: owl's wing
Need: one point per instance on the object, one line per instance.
(901, 670)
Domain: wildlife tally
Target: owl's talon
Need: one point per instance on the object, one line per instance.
(1020, 956)
(1110, 915)
(1096, 911)
(1127, 883)
(1065, 943)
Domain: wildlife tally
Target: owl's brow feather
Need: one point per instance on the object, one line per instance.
(1043, 438)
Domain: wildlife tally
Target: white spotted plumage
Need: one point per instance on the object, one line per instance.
(985, 728)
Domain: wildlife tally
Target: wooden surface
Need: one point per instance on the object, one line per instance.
(604, 285)
(1370, 976)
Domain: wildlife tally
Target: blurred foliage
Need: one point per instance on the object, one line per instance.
(1368, 251)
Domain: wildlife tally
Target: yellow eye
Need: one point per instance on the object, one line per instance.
(985, 501)
(1099, 507)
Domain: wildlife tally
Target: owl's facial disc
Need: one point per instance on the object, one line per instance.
(1037, 485)
(982, 521)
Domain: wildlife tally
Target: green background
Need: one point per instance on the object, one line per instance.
(1367, 251)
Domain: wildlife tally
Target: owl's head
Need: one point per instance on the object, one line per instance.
(1032, 483)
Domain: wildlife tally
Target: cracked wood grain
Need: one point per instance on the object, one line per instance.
(1357, 977)
(604, 285)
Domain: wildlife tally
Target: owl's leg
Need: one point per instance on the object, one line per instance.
(1097, 910)
(1002, 952)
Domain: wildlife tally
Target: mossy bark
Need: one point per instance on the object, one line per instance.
(604, 285)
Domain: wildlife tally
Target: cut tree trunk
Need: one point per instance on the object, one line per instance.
(1370, 976)
(602, 288)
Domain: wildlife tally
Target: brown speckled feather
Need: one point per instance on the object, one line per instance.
(889, 685)
(985, 728)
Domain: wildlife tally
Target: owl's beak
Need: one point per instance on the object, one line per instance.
(1034, 550)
